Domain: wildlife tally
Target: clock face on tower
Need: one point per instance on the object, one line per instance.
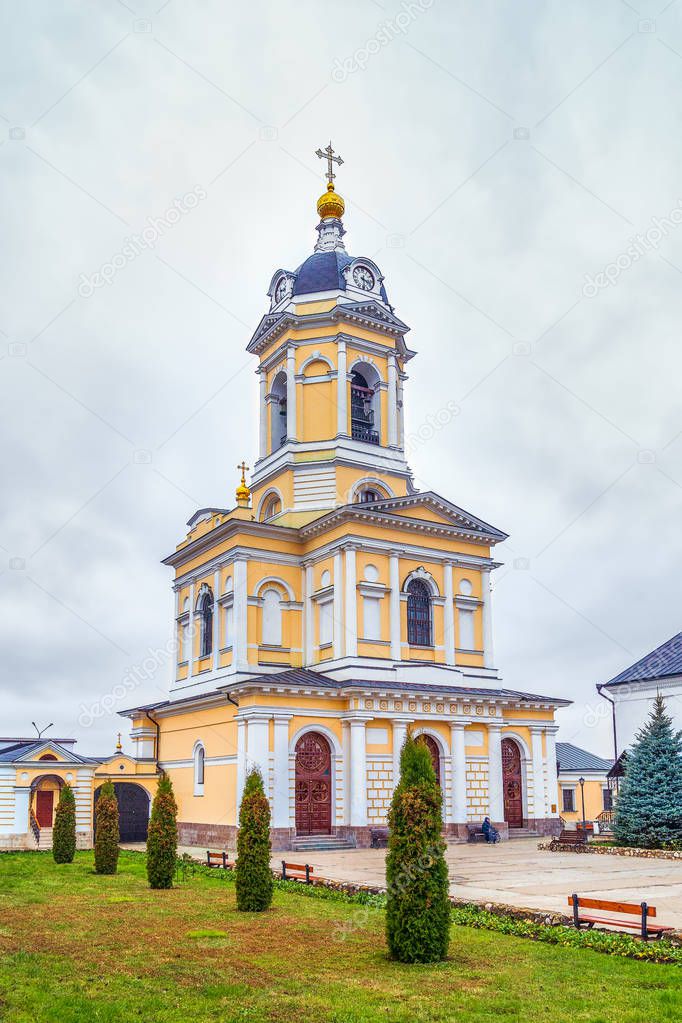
(363, 278)
(281, 289)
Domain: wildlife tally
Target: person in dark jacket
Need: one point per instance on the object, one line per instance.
(492, 835)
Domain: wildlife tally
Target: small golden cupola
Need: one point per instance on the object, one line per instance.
(243, 493)
(330, 204)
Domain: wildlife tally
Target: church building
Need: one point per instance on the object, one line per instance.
(336, 607)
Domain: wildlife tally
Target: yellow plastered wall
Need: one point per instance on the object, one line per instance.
(594, 799)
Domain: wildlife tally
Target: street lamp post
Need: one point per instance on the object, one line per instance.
(582, 798)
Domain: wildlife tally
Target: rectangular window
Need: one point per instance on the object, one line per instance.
(326, 623)
(371, 608)
(229, 628)
(183, 652)
(607, 796)
(568, 796)
(466, 630)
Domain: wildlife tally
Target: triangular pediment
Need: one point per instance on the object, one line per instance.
(430, 507)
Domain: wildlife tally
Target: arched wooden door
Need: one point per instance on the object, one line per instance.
(133, 811)
(512, 783)
(433, 749)
(313, 786)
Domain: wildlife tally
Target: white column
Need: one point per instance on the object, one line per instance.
(258, 746)
(241, 763)
(539, 795)
(216, 620)
(190, 631)
(309, 623)
(22, 800)
(263, 421)
(291, 393)
(392, 400)
(280, 790)
(351, 605)
(552, 794)
(449, 615)
(394, 605)
(358, 773)
(337, 624)
(399, 733)
(488, 657)
(495, 784)
(459, 776)
(341, 388)
(401, 415)
(239, 643)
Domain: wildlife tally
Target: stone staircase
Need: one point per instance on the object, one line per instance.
(45, 839)
(523, 833)
(320, 843)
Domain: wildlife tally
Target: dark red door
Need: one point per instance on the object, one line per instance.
(313, 785)
(432, 745)
(511, 783)
(44, 805)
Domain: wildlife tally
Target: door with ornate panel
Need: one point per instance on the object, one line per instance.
(512, 783)
(313, 785)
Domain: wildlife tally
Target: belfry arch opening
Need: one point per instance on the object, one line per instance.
(278, 411)
(364, 404)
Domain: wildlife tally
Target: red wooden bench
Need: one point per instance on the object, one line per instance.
(297, 872)
(641, 910)
(570, 839)
(218, 859)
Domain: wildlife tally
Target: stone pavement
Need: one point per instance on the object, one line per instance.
(518, 874)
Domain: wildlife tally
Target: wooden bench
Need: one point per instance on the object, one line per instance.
(218, 859)
(378, 838)
(569, 839)
(475, 833)
(642, 911)
(297, 872)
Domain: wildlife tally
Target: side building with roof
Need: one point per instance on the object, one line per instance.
(584, 790)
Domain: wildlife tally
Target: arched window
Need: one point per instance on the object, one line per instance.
(199, 759)
(278, 411)
(363, 409)
(272, 507)
(418, 614)
(367, 495)
(205, 609)
(47, 756)
(272, 618)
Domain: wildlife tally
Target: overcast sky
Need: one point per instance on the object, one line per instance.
(495, 154)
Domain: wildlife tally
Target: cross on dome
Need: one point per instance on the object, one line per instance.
(329, 155)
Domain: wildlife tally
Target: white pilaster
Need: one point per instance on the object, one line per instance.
(239, 644)
(258, 746)
(241, 763)
(216, 620)
(552, 795)
(399, 733)
(449, 613)
(22, 800)
(488, 655)
(189, 656)
(394, 605)
(539, 794)
(392, 400)
(341, 388)
(291, 393)
(263, 420)
(280, 790)
(351, 615)
(495, 783)
(309, 623)
(358, 773)
(459, 777)
(337, 624)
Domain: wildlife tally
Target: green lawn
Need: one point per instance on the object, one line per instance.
(78, 948)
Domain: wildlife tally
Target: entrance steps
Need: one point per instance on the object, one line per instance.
(523, 833)
(45, 839)
(320, 843)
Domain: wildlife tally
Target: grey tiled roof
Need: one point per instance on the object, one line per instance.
(662, 662)
(573, 758)
(24, 751)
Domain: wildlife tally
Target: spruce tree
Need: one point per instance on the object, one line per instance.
(417, 906)
(64, 834)
(253, 875)
(162, 837)
(106, 831)
(649, 804)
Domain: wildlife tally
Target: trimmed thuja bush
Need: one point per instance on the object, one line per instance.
(649, 805)
(417, 906)
(64, 834)
(253, 876)
(162, 837)
(106, 831)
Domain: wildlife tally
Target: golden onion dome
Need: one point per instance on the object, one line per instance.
(243, 493)
(330, 204)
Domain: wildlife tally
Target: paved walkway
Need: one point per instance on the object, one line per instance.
(518, 874)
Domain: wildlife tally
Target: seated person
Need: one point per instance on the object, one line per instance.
(491, 833)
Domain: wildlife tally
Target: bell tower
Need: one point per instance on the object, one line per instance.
(332, 359)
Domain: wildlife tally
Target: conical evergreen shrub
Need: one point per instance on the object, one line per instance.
(649, 804)
(253, 875)
(64, 833)
(106, 831)
(417, 906)
(162, 837)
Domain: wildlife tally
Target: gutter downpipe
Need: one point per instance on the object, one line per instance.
(158, 739)
(600, 690)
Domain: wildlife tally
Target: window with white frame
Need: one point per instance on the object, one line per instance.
(371, 618)
(466, 629)
(326, 613)
(272, 618)
(199, 764)
(184, 652)
(229, 625)
(568, 800)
